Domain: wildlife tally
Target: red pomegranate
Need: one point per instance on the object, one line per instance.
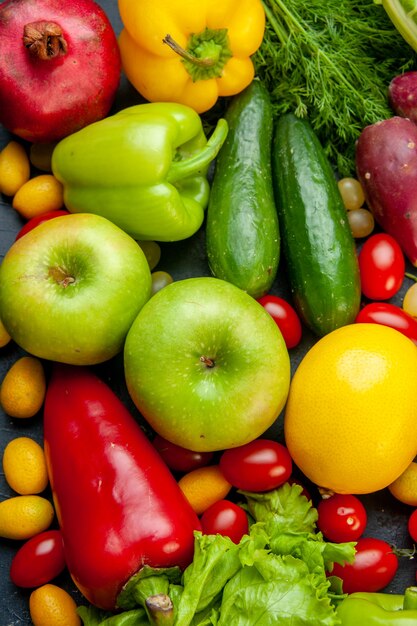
(59, 67)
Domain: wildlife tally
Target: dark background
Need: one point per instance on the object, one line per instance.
(387, 517)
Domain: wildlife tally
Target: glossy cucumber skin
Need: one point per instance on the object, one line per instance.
(242, 234)
(317, 243)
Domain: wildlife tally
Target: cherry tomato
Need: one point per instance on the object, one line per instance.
(391, 315)
(381, 266)
(260, 465)
(342, 517)
(412, 525)
(39, 219)
(38, 560)
(285, 317)
(180, 459)
(225, 518)
(374, 567)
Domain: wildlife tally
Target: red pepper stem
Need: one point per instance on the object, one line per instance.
(187, 167)
(410, 599)
(411, 276)
(160, 610)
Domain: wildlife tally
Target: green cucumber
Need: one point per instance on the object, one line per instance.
(317, 242)
(242, 230)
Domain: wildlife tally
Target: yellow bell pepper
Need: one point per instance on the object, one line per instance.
(190, 51)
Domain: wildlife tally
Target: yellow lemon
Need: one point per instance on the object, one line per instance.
(22, 517)
(50, 605)
(351, 418)
(23, 388)
(24, 466)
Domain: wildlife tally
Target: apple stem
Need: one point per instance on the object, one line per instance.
(60, 276)
(207, 361)
(44, 40)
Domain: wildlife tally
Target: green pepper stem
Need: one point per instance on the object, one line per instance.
(410, 599)
(197, 162)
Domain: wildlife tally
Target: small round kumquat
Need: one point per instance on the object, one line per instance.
(39, 195)
(51, 605)
(24, 466)
(14, 168)
(204, 486)
(23, 517)
(40, 155)
(4, 336)
(23, 388)
(404, 488)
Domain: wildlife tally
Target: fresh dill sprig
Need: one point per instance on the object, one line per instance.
(332, 62)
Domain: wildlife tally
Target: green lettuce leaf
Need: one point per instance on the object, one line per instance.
(92, 616)
(216, 560)
(283, 509)
(277, 591)
(289, 520)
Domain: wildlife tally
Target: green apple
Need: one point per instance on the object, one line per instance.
(206, 365)
(71, 288)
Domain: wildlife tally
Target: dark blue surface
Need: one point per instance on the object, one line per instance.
(387, 517)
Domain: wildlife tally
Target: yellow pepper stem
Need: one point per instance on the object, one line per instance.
(206, 53)
(185, 54)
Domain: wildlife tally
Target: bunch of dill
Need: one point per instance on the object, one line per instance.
(332, 62)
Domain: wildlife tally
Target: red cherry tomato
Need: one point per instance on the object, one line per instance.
(39, 560)
(225, 518)
(391, 315)
(374, 567)
(341, 517)
(381, 266)
(285, 317)
(260, 465)
(412, 525)
(39, 219)
(180, 459)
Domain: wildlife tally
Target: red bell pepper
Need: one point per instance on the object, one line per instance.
(118, 505)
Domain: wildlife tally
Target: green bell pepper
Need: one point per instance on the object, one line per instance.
(379, 609)
(144, 168)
